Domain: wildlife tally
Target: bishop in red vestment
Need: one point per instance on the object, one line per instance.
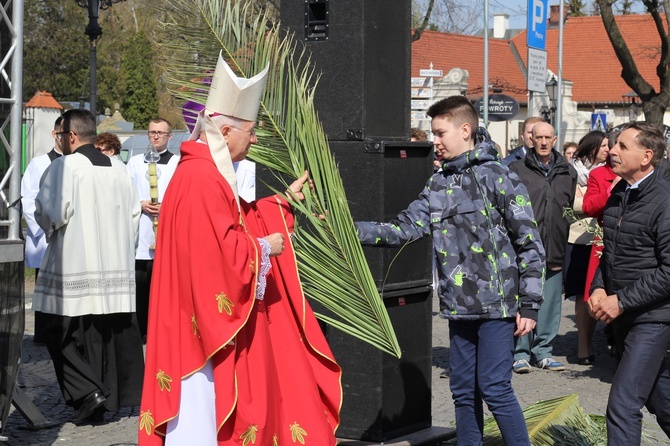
(234, 354)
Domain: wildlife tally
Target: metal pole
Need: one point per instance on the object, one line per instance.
(485, 100)
(94, 79)
(16, 121)
(559, 96)
(93, 31)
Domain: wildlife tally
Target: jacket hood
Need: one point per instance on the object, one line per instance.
(483, 152)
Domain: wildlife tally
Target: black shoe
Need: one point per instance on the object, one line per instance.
(88, 406)
(589, 360)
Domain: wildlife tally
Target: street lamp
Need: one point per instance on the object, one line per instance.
(552, 92)
(631, 98)
(93, 31)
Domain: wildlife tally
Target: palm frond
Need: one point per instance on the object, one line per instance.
(556, 422)
(331, 262)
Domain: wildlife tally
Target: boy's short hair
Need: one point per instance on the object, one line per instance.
(456, 108)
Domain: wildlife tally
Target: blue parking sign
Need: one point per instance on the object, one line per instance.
(536, 29)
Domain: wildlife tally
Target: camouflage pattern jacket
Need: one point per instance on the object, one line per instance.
(489, 255)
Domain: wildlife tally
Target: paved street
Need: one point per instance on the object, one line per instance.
(38, 381)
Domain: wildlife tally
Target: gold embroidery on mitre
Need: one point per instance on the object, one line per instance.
(249, 435)
(194, 323)
(275, 440)
(298, 434)
(146, 422)
(224, 304)
(164, 380)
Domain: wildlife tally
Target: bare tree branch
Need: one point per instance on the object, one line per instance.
(424, 23)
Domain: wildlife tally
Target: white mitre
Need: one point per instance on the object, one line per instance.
(231, 96)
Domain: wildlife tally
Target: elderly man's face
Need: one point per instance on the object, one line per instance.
(239, 139)
(543, 140)
(628, 156)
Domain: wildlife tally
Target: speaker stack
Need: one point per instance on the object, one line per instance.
(362, 51)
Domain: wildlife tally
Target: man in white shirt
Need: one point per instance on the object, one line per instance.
(36, 243)
(160, 133)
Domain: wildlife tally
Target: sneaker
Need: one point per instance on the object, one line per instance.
(550, 364)
(521, 366)
(446, 373)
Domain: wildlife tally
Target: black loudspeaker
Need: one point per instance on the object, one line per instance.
(381, 179)
(386, 397)
(362, 50)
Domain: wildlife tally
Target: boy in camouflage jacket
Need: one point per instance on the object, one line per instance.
(490, 263)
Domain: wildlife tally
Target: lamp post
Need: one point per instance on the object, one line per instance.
(552, 92)
(93, 31)
(630, 100)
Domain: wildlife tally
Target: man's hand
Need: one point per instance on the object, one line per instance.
(151, 209)
(524, 325)
(608, 309)
(595, 298)
(276, 242)
(295, 189)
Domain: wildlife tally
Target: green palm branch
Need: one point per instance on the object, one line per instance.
(331, 263)
(556, 422)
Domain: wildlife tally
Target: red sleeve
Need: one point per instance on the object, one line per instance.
(597, 193)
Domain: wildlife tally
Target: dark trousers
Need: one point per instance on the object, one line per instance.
(143, 270)
(97, 352)
(481, 357)
(66, 344)
(641, 379)
(39, 320)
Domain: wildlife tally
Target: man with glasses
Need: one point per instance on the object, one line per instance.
(231, 336)
(36, 242)
(160, 132)
(86, 286)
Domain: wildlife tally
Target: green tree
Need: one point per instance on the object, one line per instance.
(576, 8)
(626, 6)
(55, 49)
(140, 103)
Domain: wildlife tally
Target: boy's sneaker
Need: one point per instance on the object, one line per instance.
(521, 366)
(550, 364)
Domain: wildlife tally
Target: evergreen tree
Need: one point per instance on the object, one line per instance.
(626, 6)
(576, 8)
(140, 103)
(55, 50)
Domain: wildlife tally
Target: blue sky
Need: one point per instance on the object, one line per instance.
(517, 10)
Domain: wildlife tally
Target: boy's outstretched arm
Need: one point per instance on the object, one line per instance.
(411, 224)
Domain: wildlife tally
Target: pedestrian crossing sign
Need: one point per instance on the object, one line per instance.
(599, 122)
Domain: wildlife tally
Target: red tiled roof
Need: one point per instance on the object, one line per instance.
(447, 51)
(42, 99)
(589, 60)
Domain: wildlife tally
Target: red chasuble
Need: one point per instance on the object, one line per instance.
(276, 380)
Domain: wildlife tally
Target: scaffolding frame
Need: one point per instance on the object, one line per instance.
(11, 66)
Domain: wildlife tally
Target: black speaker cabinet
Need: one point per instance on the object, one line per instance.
(381, 179)
(362, 50)
(386, 397)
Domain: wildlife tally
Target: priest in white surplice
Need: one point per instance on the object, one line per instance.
(89, 210)
(36, 241)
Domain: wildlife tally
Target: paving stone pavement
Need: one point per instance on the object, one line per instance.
(592, 384)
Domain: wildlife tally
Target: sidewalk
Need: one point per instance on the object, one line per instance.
(39, 383)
